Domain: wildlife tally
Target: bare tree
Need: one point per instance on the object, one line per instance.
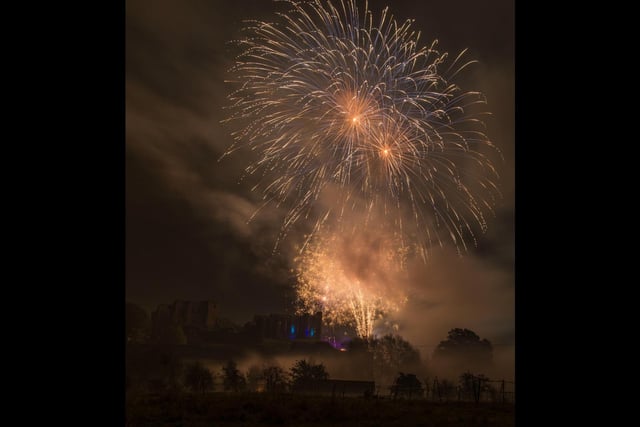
(445, 390)
(254, 375)
(276, 379)
(303, 371)
(232, 379)
(463, 350)
(198, 378)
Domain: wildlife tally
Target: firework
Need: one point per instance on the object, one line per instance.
(352, 281)
(348, 114)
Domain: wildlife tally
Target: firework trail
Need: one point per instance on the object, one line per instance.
(352, 281)
(349, 115)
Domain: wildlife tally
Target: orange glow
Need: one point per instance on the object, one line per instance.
(328, 281)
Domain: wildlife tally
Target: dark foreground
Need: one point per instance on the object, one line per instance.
(251, 409)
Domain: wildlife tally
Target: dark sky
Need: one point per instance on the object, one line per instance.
(186, 231)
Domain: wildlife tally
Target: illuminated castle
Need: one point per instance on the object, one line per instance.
(196, 322)
(285, 326)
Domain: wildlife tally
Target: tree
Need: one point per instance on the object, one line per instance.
(303, 371)
(463, 350)
(198, 378)
(254, 376)
(407, 385)
(444, 389)
(232, 379)
(395, 352)
(276, 379)
(391, 354)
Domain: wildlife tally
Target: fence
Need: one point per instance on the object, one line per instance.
(477, 389)
(473, 388)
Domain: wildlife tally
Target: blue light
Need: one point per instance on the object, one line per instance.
(293, 329)
(313, 332)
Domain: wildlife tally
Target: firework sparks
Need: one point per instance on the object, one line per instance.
(351, 281)
(333, 102)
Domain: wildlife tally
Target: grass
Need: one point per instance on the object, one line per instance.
(251, 409)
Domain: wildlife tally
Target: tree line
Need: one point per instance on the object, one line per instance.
(197, 378)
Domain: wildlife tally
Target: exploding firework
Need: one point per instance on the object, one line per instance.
(352, 281)
(351, 115)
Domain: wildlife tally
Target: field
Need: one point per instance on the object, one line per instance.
(251, 409)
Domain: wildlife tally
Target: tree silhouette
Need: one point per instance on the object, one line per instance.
(463, 350)
(407, 385)
(391, 354)
(303, 371)
(254, 376)
(198, 378)
(395, 352)
(444, 390)
(276, 379)
(232, 379)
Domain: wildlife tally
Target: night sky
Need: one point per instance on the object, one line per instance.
(187, 235)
